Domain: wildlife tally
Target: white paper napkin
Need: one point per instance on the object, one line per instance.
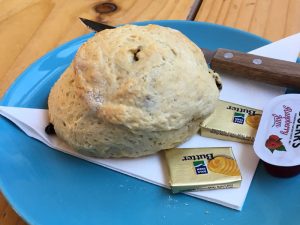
(152, 168)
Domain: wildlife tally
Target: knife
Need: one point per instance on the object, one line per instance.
(225, 61)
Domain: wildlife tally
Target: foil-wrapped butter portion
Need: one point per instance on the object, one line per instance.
(231, 122)
(202, 169)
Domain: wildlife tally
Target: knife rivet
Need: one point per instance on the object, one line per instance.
(228, 55)
(257, 61)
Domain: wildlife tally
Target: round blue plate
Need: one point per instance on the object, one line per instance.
(48, 187)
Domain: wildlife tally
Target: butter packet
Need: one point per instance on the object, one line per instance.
(231, 122)
(202, 169)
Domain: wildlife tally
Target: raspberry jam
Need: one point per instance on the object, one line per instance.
(277, 142)
(282, 171)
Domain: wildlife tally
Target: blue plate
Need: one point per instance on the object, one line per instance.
(49, 187)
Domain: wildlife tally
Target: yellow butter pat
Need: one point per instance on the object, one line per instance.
(202, 169)
(231, 122)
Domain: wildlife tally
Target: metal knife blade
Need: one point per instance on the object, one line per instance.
(225, 61)
(95, 25)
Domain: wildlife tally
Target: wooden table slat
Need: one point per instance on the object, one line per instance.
(271, 19)
(260, 17)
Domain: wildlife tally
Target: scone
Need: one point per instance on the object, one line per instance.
(133, 91)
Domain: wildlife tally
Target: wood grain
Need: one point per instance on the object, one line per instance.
(30, 28)
(269, 71)
(271, 19)
(8, 215)
(26, 26)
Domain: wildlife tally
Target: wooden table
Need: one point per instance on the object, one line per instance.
(30, 28)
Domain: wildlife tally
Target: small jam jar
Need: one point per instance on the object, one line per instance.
(277, 141)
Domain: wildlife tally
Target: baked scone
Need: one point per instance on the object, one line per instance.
(133, 91)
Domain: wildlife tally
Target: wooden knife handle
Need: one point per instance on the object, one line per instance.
(253, 67)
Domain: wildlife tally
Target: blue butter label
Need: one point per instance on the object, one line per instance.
(239, 118)
(200, 167)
